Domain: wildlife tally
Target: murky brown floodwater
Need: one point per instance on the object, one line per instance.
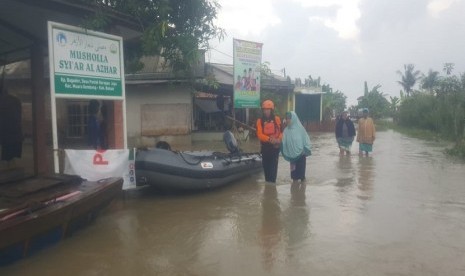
(400, 212)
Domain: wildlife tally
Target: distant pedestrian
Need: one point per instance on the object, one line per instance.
(366, 133)
(345, 133)
(269, 133)
(296, 146)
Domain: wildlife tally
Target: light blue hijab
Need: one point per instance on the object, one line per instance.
(295, 139)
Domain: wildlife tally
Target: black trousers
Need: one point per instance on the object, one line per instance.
(270, 157)
(299, 170)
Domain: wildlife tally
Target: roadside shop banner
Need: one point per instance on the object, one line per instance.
(246, 83)
(94, 165)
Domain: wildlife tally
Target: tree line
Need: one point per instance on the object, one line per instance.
(434, 101)
(438, 105)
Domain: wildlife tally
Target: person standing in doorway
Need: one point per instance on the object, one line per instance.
(269, 133)
(296, 146)
(93, 125)
(345, 133)
(366, 133)
(103, 125)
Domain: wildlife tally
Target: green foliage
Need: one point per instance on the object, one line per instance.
(416, 111)
(393, 107)
(376, 102)
(333, 102)
(409, 131)
(408, 78)
(439, 109)
(430, 82)
(173, 29)
(442, 111)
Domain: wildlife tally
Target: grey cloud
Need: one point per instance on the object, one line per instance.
(378, 16)
(393, 33)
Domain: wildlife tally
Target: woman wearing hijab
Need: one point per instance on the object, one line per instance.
(295, 146)
(345, 133)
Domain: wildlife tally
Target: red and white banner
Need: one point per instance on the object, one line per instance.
(94, 165)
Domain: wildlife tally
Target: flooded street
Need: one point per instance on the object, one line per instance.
(399, 212)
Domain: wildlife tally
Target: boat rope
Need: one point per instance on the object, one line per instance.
(191, 163)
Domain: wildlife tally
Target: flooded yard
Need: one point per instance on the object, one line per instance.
(399, 212)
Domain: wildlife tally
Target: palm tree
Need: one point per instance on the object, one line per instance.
(409, 77)
(430, 81)
(448, 67)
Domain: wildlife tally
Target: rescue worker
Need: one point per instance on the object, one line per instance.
(269, 133)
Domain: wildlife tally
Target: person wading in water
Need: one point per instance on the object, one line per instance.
(345, 133)
(366, 133)
(269, 133)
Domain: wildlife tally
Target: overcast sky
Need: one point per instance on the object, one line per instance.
(347, 42)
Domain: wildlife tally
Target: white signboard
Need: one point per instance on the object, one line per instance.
(95, 165)
(85, 64)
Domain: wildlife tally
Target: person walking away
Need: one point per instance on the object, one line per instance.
(296, 146)
(345, 133)
(366, 133)
(269, 133)
(11, 134)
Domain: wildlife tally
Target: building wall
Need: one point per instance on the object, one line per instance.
(308, 107)
(154, 109)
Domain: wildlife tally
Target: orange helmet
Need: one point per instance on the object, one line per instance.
(268, 104)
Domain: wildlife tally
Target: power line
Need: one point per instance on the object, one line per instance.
(222, 52)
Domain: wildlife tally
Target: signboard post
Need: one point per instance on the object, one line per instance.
(247, 63)
(84, 65)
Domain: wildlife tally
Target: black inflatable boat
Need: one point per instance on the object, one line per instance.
(195, 170)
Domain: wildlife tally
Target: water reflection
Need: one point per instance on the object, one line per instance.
(298, 194)
(252, 228)
(366, 167)
(345, 179)
(271, 227)
(297, 217)
(345, 176)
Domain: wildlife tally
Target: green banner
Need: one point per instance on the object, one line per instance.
(247, 64)
(72, 85)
